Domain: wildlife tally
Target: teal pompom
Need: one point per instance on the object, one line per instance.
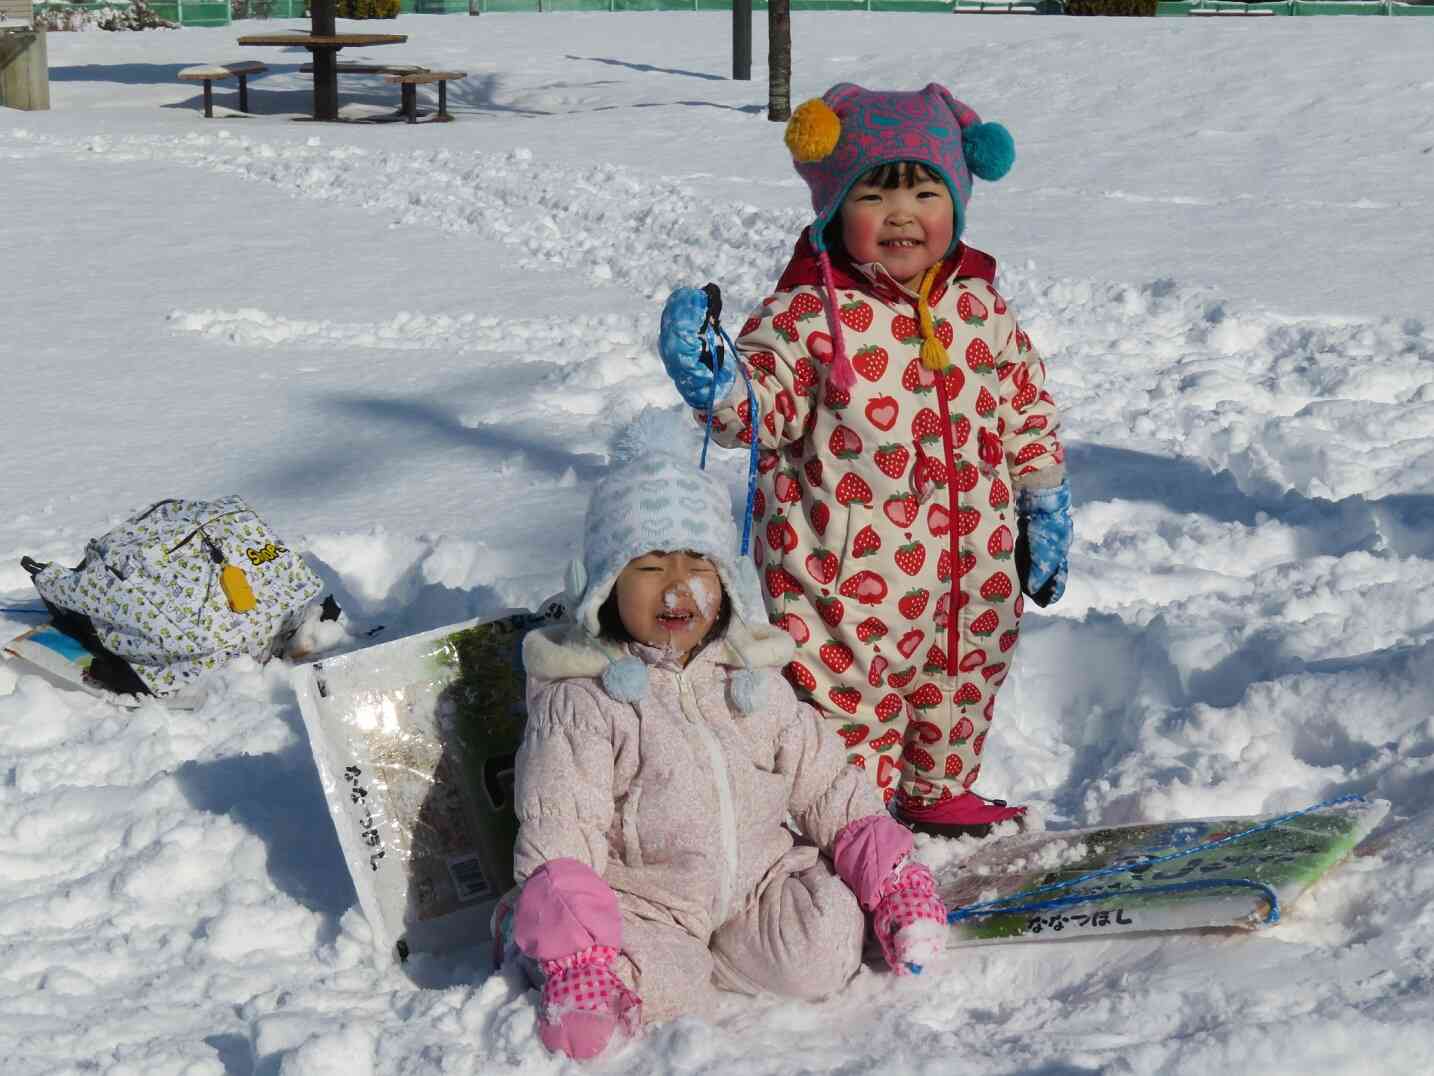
(989, 150)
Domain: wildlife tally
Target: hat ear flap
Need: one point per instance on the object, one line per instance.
(989, 150)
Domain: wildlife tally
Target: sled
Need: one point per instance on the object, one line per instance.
(65, 661)
(1183, 875)
(414, 741)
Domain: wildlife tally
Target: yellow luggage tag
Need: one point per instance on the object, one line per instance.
(235, 585)
(232, 579)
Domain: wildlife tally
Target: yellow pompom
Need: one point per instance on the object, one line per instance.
(813, 131)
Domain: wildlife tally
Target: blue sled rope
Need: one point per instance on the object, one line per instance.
(710, 333)
(1021, 903)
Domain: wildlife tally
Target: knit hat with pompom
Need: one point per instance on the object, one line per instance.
(841, 136)
(653, 499)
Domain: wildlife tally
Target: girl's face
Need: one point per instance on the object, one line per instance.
(906, 229)
(669, 600)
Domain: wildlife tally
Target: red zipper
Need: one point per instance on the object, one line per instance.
(948, 443)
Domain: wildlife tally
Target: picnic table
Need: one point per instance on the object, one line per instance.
(324, 43)
(24, 60)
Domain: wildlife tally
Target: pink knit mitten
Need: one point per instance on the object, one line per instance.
(910, 919)
(567, 920)
(584, 1003)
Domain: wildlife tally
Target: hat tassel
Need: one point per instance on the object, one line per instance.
(842, 376)
(933, 352)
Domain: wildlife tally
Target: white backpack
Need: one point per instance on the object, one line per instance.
(176, 591)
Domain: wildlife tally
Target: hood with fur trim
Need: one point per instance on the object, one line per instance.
(567, 651)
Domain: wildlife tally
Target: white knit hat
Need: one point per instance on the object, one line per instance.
(658, 502)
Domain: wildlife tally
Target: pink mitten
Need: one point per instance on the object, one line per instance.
(584, 1003)
(567, 919)
(910, 919)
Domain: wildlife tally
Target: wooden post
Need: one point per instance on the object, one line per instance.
(24, 70)
(326, 61)
(742, 40)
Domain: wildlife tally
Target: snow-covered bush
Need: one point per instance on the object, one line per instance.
(1144, 8)
(368, 9)
(136, 16)
(250, 9)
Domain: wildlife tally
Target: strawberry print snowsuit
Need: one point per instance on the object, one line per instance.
(884, 525)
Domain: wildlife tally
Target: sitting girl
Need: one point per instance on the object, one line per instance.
(663, 754)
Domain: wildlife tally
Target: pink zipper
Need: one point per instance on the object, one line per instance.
(948, 443)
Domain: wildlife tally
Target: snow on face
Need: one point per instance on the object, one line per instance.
(707, 597)
(665, 599)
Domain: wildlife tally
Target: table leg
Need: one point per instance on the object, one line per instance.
(243, 93)
(326, 83)
(208, 100)
(410, 102)
(443, 98)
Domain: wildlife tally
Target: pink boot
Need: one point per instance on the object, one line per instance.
(568, 921)
(966, 815)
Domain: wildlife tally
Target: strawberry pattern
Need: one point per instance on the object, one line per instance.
(889, 516)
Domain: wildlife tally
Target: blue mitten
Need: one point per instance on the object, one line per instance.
(680, 343)
(1043, 541)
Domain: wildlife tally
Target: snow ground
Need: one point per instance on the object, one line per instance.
(409, 347)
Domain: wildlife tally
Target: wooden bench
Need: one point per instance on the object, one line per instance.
(409, 89)
(19, 14)
(218, 73)
(1015, 8)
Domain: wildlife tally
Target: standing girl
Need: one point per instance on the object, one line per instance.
(913, 484)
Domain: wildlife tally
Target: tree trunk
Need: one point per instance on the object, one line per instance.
(779, 61)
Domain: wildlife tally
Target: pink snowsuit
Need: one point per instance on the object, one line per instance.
(885, 525)
(678, 801)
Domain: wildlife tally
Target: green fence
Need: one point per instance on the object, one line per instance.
(184, 12)
(217, 12)
(990, 7)
(1294, 7)
(936, 6)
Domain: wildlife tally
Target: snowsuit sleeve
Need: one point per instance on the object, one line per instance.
(827, 792)
(775, 355)
(1030, 423)
(563, 780)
